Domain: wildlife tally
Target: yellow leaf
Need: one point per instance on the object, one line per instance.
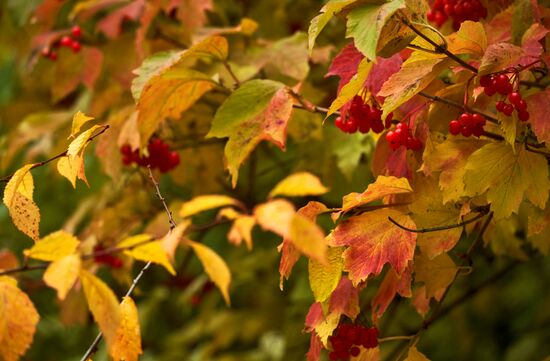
(71, 168)
(61, 274)
(207, 202)
(79, 120)
(353, 87)
(323, 278)
(127, 343)
(436, 274)
(18, 198)
(242, 230)
(171, 240)
(308, 237)
(147, 250)
(275, 216)
(78, 145)
(383, 186)
(18, 319)
(215, 267)
(103, 304)
(54, 246)
(415, 355)
(299, 185)
(507, 177)
(469, 39)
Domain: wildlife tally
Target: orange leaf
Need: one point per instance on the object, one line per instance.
(18, 319)
(275, 216)
(373, 241)
(127, 343)
(383, 186)
(62, 274)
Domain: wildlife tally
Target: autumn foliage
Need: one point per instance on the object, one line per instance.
(235, 180)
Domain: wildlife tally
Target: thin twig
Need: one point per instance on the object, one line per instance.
(60, 155)
(439, 228)
(394, 338)
(314, 109)
(236, 81)
(457, 105)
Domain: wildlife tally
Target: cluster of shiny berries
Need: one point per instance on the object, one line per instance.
(348, 339)
(362, 117)
(458, 10)
(500, 83)
(402, 136)
(467, 124)
(160, 156)
(68, 41)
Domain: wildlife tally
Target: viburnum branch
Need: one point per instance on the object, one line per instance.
(6, 179)
(452, 103)
(93, 347)
(439, 228)
(442, 49)
(394, 338)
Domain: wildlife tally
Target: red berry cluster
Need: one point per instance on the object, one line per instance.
(458, 10)
(349, 338)
(362, 117)
(500, 83)
(402, 136)
(106, 258)
(467, 124)
(159, 157)
(67, 41)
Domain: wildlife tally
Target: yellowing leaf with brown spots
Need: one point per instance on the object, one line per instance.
(436, 274)
(298, 185)
(323, 278)
(207, 202)
(258, 110)
(373, 241)
(499, 56)
(507, 177)
(18, 198)
(382, 187)
(79, 119)
(127, 343)
(18, 319)
(103, 304)
(214, 266)
(62, 274)
(143, 249)
(54, 246)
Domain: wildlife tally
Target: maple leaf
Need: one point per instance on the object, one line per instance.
(373, 242)
(258, 110)
(436, 274)
(323, 278)
(299, 185)
(391, 285)
(18, 320)
(507, 177)
(383, 186)
(365, 24)
(540, 117)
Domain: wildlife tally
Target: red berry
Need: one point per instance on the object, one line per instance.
(126, 149)
(466, 119)
(466, 131)
(339, 123)
(66, 41)
(354, 351)
(351, 126)
(521, 105)
(430, 15)
(76, 31)
(490, 90)
(478, 130)
(174, 159)
(508, 109)
(76, 46)
(478, 119)
(333, 356)
(502, 84)
(500, 106)
(387, 122)
(514, 98)
(377, 126)
(485, 81)
(523, 115)
(414, 144)
(455, 127)
(53, 56)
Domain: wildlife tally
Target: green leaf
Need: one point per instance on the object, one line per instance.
(365, 25)
(318, 23)
(323, 278)
(258, 110)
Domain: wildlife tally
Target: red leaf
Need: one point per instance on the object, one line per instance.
(111, 25)
(391, 285)
(373, 241)
(345, 64)
(345, 299)
(381, 71)
(540, 117)
(315, 347)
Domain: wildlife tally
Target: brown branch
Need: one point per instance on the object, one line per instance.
(452, 103)
(60, 155)
(236, 82)
(439, 228)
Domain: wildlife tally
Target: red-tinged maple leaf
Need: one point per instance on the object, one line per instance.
(345, 64)
(373, 242)
(191, 13)
(345, 299)
(392, 285)
(111, 25)
(314, 316)
(386, 161)
(46, 13)
(381, 71)
(540, 117)
(531, 44)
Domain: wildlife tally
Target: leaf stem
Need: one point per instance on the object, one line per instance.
(439, 228)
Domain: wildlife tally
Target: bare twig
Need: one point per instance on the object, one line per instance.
(60, 155)
(439, 228)
(236, 82)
